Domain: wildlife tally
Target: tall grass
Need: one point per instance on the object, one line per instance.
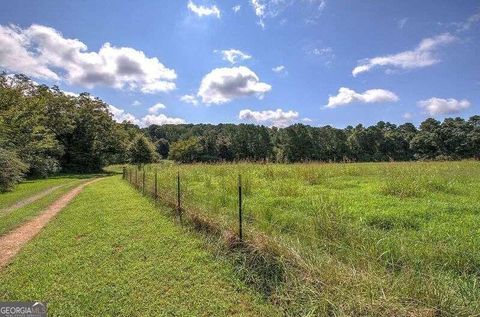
(346, 239)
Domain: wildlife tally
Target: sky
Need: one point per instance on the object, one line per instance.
(270, 62)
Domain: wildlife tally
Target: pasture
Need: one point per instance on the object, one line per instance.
(345, 239)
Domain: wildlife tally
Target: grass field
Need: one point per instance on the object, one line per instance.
(368, 239)
(112, 252)
(11, 216)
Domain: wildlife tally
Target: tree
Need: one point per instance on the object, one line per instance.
(142, 151)
(186, 151)
(12, 170)
(163, 147)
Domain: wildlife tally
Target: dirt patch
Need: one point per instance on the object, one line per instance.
(12, 242)
(21, 203)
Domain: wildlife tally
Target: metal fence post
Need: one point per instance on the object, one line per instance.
(179, 207)
(240, 229)
(136, 177)
(156, 189)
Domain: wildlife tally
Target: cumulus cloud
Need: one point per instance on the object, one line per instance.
(156, 108)
(191, 99)
(136, 103)
(222, 85)
(233, 56)
(346, 96)
(160, 120)
(43, 52)
(422, 56)
(120, 115)
(278, 69)
(435, 106)
(203, 10)
(236, 8)
(277, 117)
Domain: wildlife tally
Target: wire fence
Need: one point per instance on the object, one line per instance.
(148, 182)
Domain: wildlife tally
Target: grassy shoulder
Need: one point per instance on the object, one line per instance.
(111, 252)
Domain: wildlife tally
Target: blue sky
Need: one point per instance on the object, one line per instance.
(272, 62)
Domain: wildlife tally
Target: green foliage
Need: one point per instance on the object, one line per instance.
(142, 151)
(186, 151)
(12, 170)
(52, 131)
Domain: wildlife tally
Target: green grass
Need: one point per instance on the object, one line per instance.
(111, 252)
(29, 188)
(12, 219)
(372, 238)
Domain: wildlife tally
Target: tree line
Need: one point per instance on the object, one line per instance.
(452, 139)
(44, 131)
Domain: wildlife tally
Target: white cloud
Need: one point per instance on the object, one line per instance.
(191, 99)
(43, 52)
(203, 10)
(268, 9)
(423, 55)
(407, 115)
(236, 8)
(136, 103)
(259, 8)
(324, 53)
(156, 108)
(120, 115)
(160, 120)
(346, 96)
(233, 56)
(277, 117)
(435, 106)
(278, 69)
(466, 25)
(222, 85)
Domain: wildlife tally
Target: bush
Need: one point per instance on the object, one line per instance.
(12, 170)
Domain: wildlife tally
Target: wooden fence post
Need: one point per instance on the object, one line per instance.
(240, 229)
(143, 182)
(124, 174)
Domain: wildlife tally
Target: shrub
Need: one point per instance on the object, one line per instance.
(12, 170)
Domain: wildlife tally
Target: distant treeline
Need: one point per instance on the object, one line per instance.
(452, 139)
(44, 130)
